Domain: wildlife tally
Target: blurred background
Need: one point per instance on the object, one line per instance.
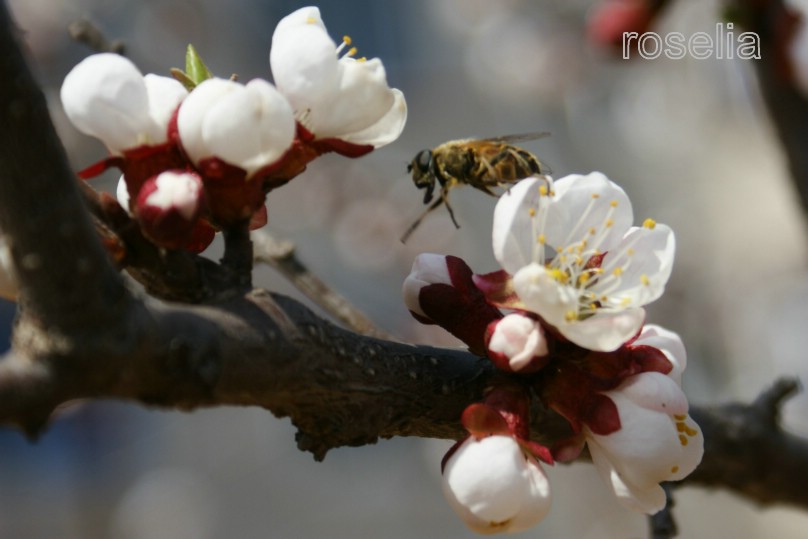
(688, 139)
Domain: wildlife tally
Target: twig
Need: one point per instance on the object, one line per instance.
(280, 255)
(88, 33)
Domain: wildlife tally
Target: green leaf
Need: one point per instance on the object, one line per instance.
(195, 68)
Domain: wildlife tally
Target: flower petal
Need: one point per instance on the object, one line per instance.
(586, 204)
(251, 127)
(604, 331)
(104, 96)
(493, 487)
(645, 258)
(165, 95)
(655, 391)
(543, 295)
(669, 343)
(387, 128)
(514, 231)
(518, 338)
(427, 268)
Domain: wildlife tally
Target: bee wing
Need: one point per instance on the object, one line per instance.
(520, 137)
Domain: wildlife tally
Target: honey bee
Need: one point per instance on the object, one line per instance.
(480, 163)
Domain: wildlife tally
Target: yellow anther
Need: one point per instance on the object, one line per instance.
(625, 302)
(690, 431)
(347, 40)
(629, 252)
(558, 275)
(593, 231)
(532, 212)
(609, 223)
(543, 191)
(649, 223)
(595, 195)
(351, 51)
(613, 203)
(617, 272)
(541, 239)
(571, 316)
(674, 469)
(681, 427)
(311, 20)
(680, 417)
(683, 439)
(362, 59)
(583, 278)
(645, 280)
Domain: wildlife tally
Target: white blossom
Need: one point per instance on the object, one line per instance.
(494, 486)
(657, 440)
(107, 97)
(575, 259)
(246, 125)
(333, 95)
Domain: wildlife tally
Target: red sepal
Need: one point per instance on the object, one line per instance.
(482, 420)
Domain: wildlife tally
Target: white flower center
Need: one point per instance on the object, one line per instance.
(578, 264)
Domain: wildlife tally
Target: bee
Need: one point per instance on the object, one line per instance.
(480, 163)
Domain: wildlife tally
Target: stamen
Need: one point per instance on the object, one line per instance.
(649, 223)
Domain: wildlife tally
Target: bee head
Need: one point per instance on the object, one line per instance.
(422, 176)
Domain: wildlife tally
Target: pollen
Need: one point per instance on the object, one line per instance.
(649, 224)
(609, 223)
(543, 191)
(617, 272)
(541, 239)
(532, 212)
(645, 280)
(351, 51)
(683, 440)
(613, 203)
(571, 316)
(347, 40)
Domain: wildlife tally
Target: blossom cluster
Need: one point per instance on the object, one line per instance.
(566, 311)
(199, 153)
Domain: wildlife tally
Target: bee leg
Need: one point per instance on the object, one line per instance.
(417, 222)
(445, 200)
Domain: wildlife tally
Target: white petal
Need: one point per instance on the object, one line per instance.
(604, 331)
(304, 66)
(304, 16)
(490, 484)
(655, 391)
(181, 191)
(588, 203)
(105, 96)
(427, 268)
(193, 111)
(669, 343)
(514, 232)
(362, 100)
(387, 128)
(165, 95)
(250, 127)
(649, 499)
(692, 450)
(543, 295)
(645, 257)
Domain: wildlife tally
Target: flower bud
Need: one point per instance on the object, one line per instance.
(247, 126)
(168, 208)
(494, 486)
(107, 97)
(516, 341)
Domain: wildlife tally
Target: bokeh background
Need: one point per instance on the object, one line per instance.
(688, 139)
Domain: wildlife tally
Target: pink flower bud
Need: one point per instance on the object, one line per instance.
(168, 208)
(516, 341)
